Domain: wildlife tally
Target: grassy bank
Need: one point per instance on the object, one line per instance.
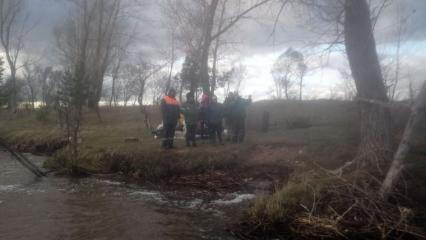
(104, 147)
(304, 139)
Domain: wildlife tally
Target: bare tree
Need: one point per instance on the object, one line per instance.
(73, 43)
(232, 79)
(114, 77)
(172, 56)
(303, 68)
(287, 69)
(118, 58)
(398, 164)
(106, 27)
(360, 44)
(217, 45)
(206, 25)
(352, 23)
(103, 29)
(13, 29)
(31, 76)
(126, 84)
(157, 87)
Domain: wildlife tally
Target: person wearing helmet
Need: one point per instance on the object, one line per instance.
(170, 111)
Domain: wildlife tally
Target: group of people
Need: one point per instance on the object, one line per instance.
(205, 118)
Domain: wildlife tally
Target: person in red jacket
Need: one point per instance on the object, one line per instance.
(170, 111)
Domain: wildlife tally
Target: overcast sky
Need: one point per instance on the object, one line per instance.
(255, 48)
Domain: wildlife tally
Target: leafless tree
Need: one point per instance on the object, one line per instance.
(101, 21)
(201, 24)
(157, 87)
(173, 55)
(360, 45)
(398, 164)
(232, 79)
(120, 53)
(352, 22)
(302, 68)
(114, 77)
(288, 69)
(13, 29)
(126, 84)
(32, 76)
(73, 43)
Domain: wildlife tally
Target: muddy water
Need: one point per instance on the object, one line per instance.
(94, 208)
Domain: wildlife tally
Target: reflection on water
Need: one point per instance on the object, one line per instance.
(89, 208)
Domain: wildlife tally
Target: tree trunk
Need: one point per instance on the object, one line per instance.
(286, 87)
(180, 91)
(207, 40)
(374, 149)
(13, 101)
(172, 63)
(214, 69)
(216, 50)
(397, 166)
(114, 80)
(32, 97)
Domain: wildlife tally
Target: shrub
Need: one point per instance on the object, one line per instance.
(42, 114)
(298, 122)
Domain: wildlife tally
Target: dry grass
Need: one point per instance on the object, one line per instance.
(330, 207)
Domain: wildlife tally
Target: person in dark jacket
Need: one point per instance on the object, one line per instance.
(239, 113)
(214, 118)
(228, 107)
(191, 111)
(171, 112)
(205, 99)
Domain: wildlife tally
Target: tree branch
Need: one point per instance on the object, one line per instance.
(237, 18)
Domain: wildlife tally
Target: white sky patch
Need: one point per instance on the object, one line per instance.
(325, 82)
(259, 82)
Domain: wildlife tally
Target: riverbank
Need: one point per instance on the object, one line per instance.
(105, 145)
(304, 142)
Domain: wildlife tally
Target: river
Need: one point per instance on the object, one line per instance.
(56, 208)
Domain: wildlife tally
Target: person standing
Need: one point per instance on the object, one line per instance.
(214, 118)
(228, 106)
(170, 111)
(239, 114)
(190, 110)
(203, 115)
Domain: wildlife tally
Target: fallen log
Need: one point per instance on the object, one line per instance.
(23, 160)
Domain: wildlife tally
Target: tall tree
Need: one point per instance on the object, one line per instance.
(106, 14)
(100, 20)
(12, 31)
(374, 148)
(207, 25)
(3, 95)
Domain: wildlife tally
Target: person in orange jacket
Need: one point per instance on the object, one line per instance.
(170, 111)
